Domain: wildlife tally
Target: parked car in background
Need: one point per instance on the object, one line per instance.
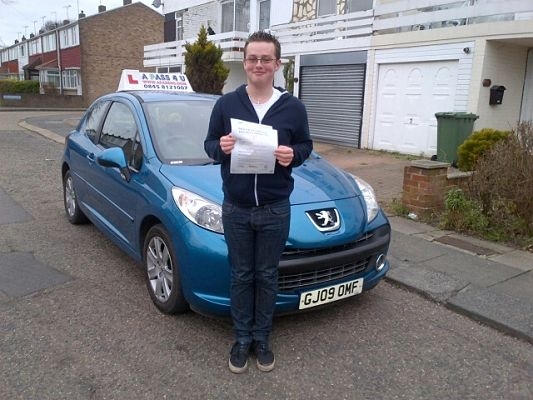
(135, 167)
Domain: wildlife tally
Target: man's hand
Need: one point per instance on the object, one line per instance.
(284, 155)
(227, 143)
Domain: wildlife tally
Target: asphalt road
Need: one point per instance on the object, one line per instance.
(96, 335)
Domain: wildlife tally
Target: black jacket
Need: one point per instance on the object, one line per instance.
(289, 117)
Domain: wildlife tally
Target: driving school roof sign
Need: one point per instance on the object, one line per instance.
(132, 79)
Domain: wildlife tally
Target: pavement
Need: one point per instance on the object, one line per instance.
(485, 281)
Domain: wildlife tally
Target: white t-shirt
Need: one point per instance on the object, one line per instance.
(261, 109)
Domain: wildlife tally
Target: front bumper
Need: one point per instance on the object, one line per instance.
(206, 287)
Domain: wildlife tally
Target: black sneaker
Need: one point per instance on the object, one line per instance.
(264, 356)
(238, 360)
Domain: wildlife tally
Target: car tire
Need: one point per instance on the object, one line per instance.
(70, 201)
(162, 272)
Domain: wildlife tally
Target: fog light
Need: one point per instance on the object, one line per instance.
(380, 262)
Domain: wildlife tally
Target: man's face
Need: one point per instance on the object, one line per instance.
(260, 72)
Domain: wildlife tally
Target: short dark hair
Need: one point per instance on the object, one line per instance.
(263, 36)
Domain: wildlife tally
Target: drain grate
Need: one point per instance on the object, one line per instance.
(463, 244)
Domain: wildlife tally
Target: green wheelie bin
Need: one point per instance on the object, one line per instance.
(453, 128)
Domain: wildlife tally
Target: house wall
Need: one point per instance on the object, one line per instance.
(501, 61)
(422, 55)
(195, 17)
(113, 41)
(504, 64)
(11, 66)
(70, 57)
(23, 56)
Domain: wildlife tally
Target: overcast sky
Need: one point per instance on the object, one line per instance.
(23, 17)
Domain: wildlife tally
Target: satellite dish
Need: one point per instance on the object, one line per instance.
(157, 3)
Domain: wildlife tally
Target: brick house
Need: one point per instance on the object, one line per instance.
(85, 57)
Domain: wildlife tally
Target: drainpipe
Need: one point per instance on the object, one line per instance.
(58, 47)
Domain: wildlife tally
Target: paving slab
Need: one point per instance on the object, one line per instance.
(497, 306)
(22, 275)
(10, 211)
(436, 285)
(477, 270)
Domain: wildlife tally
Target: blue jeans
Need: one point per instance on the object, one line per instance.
(255, 237)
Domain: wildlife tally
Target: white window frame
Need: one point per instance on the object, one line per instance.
(49, 42)
(262, 5)
(50, 76)
(70, 79)
(179, 25)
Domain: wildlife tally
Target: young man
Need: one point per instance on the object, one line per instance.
(256, 209)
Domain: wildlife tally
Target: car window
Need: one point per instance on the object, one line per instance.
(94, 118)
(120, 130)
(178, 129)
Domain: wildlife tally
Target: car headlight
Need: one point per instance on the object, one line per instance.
(372, 206)
(201, 211)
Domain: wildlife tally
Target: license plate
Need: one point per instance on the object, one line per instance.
(329, 294)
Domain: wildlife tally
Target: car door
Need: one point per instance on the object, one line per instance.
(83, 147)
(113, 199)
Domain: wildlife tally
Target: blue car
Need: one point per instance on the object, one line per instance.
(135, 167)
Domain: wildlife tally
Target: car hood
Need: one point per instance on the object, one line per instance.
(314, 181)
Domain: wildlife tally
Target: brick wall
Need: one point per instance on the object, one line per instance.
(112, 41)
(41, 101)
(425, 184)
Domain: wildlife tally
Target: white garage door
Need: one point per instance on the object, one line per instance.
(408, 97)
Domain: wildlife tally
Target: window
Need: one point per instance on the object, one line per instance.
(179, 26)
(21, 48)
(358, 5)
(92, 123)
(51, 78)
(49, 43)
(34, 47)
(69, 36)
(227, 16)
(70, 79)
(326, 7)
(120, 130)
(178, 129)
(237, 11)
(264, 14)
(168, 70)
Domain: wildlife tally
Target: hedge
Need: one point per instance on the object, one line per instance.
(11, 86)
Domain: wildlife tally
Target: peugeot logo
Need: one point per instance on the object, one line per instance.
(325, 220)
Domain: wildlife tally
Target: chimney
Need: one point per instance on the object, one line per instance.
(101, 9)
(126, 2)
(81, 15)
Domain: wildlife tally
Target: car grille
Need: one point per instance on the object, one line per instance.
(299, 253)
(289, 282)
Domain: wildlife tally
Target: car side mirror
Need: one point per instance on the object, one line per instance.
(114, 157)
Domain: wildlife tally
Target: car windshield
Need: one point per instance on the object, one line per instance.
(178, 129)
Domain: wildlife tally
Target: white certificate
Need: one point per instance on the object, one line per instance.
(254, 148)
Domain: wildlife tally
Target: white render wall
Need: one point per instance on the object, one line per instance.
(504, 64)
(195, 17)
(493, 55)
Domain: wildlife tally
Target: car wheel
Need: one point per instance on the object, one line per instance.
(70, 200)
(162, 272)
